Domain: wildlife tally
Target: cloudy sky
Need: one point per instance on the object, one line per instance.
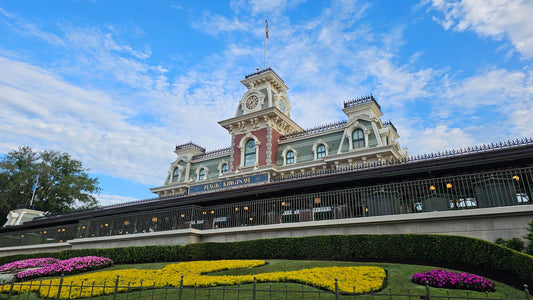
(117, 84)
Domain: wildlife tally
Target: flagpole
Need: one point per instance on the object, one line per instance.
(34, 188)
(266, 39)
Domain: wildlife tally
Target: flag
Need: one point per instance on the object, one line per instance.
(35, 184)
(266, 21)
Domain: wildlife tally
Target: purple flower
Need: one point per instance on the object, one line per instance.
(453, 280)
(52, 266)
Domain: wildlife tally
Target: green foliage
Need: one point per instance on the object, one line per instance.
(515, 243)
(467, 254)
(63, 181)
(529, 237)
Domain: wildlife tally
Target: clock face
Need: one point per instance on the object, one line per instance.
(251, 102)
(282, 106)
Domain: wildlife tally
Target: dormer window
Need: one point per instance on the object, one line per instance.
(249, 153)
(224, 169)
(289, 158)
(358, 138)
(320, 151)
(176, 175)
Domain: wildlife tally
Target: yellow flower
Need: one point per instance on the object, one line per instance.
(349, 279)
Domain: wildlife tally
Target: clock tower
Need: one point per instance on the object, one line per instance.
(261, 117)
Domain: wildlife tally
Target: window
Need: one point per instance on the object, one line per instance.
(320, 151)
(224, 168)
(249, 153)
(176, 175)
(358, 138)
(289, 157)
(201, 174)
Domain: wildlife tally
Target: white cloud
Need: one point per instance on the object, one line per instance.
(42, 110)
(491, 106)
(439, 138)
(264, 8)
(498, 19)
(216, 24)
(105, 200)
(30, 30)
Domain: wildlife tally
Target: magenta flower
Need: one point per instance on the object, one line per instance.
(454, 280)
(52, 266)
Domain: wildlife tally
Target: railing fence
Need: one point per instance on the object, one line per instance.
(117, 291)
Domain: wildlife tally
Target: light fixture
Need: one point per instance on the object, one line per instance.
(106, 224)
(82, 227)
(448, 185)
(21, 235)
(246, 208)
(212, 212)
(63, 229)
(317, 200)
(516, 177)
(44, 232)
(236, 208)
(154, 219)
(283, 203)
(59, 230)
(432, 187)
(251, 219)
(183, 215)
(126, 222)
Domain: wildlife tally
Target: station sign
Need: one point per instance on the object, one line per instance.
(228, 183)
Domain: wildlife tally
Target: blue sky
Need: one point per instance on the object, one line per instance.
(118, 84)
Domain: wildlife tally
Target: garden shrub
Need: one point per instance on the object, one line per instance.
(529, 237)
(515, 243)
(457, 252)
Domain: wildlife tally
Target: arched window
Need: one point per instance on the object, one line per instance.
(201, 174)
(224, 168)
(249, 153)
(289, 157)
(176, 175)
(320, 151)
(358, 138)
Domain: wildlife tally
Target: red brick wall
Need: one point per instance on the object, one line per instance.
(261, 136)
(237, 151)
(275, 138)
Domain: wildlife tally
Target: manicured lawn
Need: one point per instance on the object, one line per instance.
(399, 282)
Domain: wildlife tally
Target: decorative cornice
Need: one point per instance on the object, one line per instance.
(269, 117)
(314, 130)
(361, 100)
(190, 145)
(215, 153)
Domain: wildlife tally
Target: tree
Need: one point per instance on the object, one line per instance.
(63, 183)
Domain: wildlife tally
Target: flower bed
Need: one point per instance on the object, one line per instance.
(51, 266)
(28, 263)
(350, 279)
(454, 280)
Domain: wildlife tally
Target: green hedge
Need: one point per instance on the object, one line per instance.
(467, 254)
